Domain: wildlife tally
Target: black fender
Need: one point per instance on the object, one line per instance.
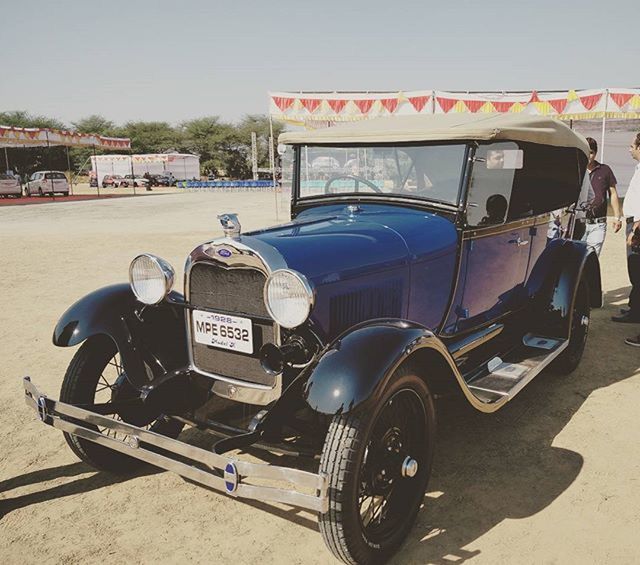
(554, 281)
(154, 335)
(353, 371)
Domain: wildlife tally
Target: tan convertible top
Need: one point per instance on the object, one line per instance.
(445, 127)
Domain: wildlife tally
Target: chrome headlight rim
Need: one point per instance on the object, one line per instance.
(309, 292)
(167, 271)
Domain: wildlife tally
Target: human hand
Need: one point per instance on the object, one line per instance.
(630, 239)
(617, 224)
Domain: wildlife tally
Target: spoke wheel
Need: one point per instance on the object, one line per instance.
(95, 375)
(378, 468)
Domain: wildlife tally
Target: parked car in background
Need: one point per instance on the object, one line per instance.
(47, 182)
(425, 274)
(112, 181)
(160, 180)
(10, 186)
(131, 180)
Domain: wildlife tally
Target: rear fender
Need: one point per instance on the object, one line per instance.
(555, 279)
(151, 335)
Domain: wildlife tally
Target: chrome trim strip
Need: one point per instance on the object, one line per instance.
(476, 340)
(131, 446)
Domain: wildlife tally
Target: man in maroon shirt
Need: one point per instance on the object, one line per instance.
(602, 182)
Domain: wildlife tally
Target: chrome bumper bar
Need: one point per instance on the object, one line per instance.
(215, 471)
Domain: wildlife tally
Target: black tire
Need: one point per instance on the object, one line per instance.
(352, 456)
(569, 359)
(83, 382)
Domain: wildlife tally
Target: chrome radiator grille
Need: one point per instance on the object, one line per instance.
(238, 292)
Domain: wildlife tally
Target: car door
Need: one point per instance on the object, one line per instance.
(494, 248)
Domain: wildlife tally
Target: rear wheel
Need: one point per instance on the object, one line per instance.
(96, 375)
(378, 466)
(570, 358)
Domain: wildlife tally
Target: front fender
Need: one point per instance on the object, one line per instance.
(151, 335)
(354, 370)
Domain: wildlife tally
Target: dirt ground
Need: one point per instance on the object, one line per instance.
(554, 477)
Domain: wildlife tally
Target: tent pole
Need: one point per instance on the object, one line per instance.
(604, 124)
(69, 171)
(53, 194)
(6, 158)
(273, 165)
(95, 162)
(133, 175)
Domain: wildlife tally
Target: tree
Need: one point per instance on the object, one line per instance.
(95, 124)
(151, 137)
(22, 119)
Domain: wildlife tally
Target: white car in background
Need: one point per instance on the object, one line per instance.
(47, 182)
(130, 180)
(10, 186)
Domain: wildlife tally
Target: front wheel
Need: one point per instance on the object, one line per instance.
(378, 466)
(96, 375)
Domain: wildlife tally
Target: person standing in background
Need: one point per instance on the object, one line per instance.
(602, 182)
(632, 213)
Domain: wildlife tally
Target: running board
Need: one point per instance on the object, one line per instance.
(505, 379)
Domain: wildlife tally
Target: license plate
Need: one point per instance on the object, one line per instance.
(223, 331)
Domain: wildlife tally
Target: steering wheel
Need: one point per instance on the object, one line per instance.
(371, 185)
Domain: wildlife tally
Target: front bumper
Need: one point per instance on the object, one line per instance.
(205, 467)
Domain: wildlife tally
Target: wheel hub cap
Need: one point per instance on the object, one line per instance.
(409, 467)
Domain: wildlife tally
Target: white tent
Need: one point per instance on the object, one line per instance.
(183, 166)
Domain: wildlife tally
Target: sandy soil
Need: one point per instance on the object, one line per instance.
(552, 478)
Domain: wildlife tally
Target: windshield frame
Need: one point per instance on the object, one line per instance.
(299, 200)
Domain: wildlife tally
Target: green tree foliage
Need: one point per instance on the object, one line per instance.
(151, 137)
(224, 148)
(95, 124)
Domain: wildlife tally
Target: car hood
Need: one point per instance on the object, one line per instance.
(336, 243)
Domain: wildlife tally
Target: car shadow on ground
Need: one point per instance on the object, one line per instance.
(490, 468)
(95, 481)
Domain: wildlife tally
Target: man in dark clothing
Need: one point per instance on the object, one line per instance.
(602, 182)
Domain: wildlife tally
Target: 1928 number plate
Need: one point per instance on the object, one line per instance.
(221, 330)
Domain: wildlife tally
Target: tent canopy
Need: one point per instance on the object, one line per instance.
(487, 127)
(45, 137)
(317, 109)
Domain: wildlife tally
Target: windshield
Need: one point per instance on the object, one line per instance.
(430, 172)
(55, 176)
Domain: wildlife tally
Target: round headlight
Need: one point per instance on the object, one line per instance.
(288, 298)
(151, 278)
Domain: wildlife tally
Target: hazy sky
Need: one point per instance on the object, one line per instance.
(171, 61)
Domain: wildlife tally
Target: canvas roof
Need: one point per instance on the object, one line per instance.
(444, 127)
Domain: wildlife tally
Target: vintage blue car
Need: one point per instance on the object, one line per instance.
(427, 256)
